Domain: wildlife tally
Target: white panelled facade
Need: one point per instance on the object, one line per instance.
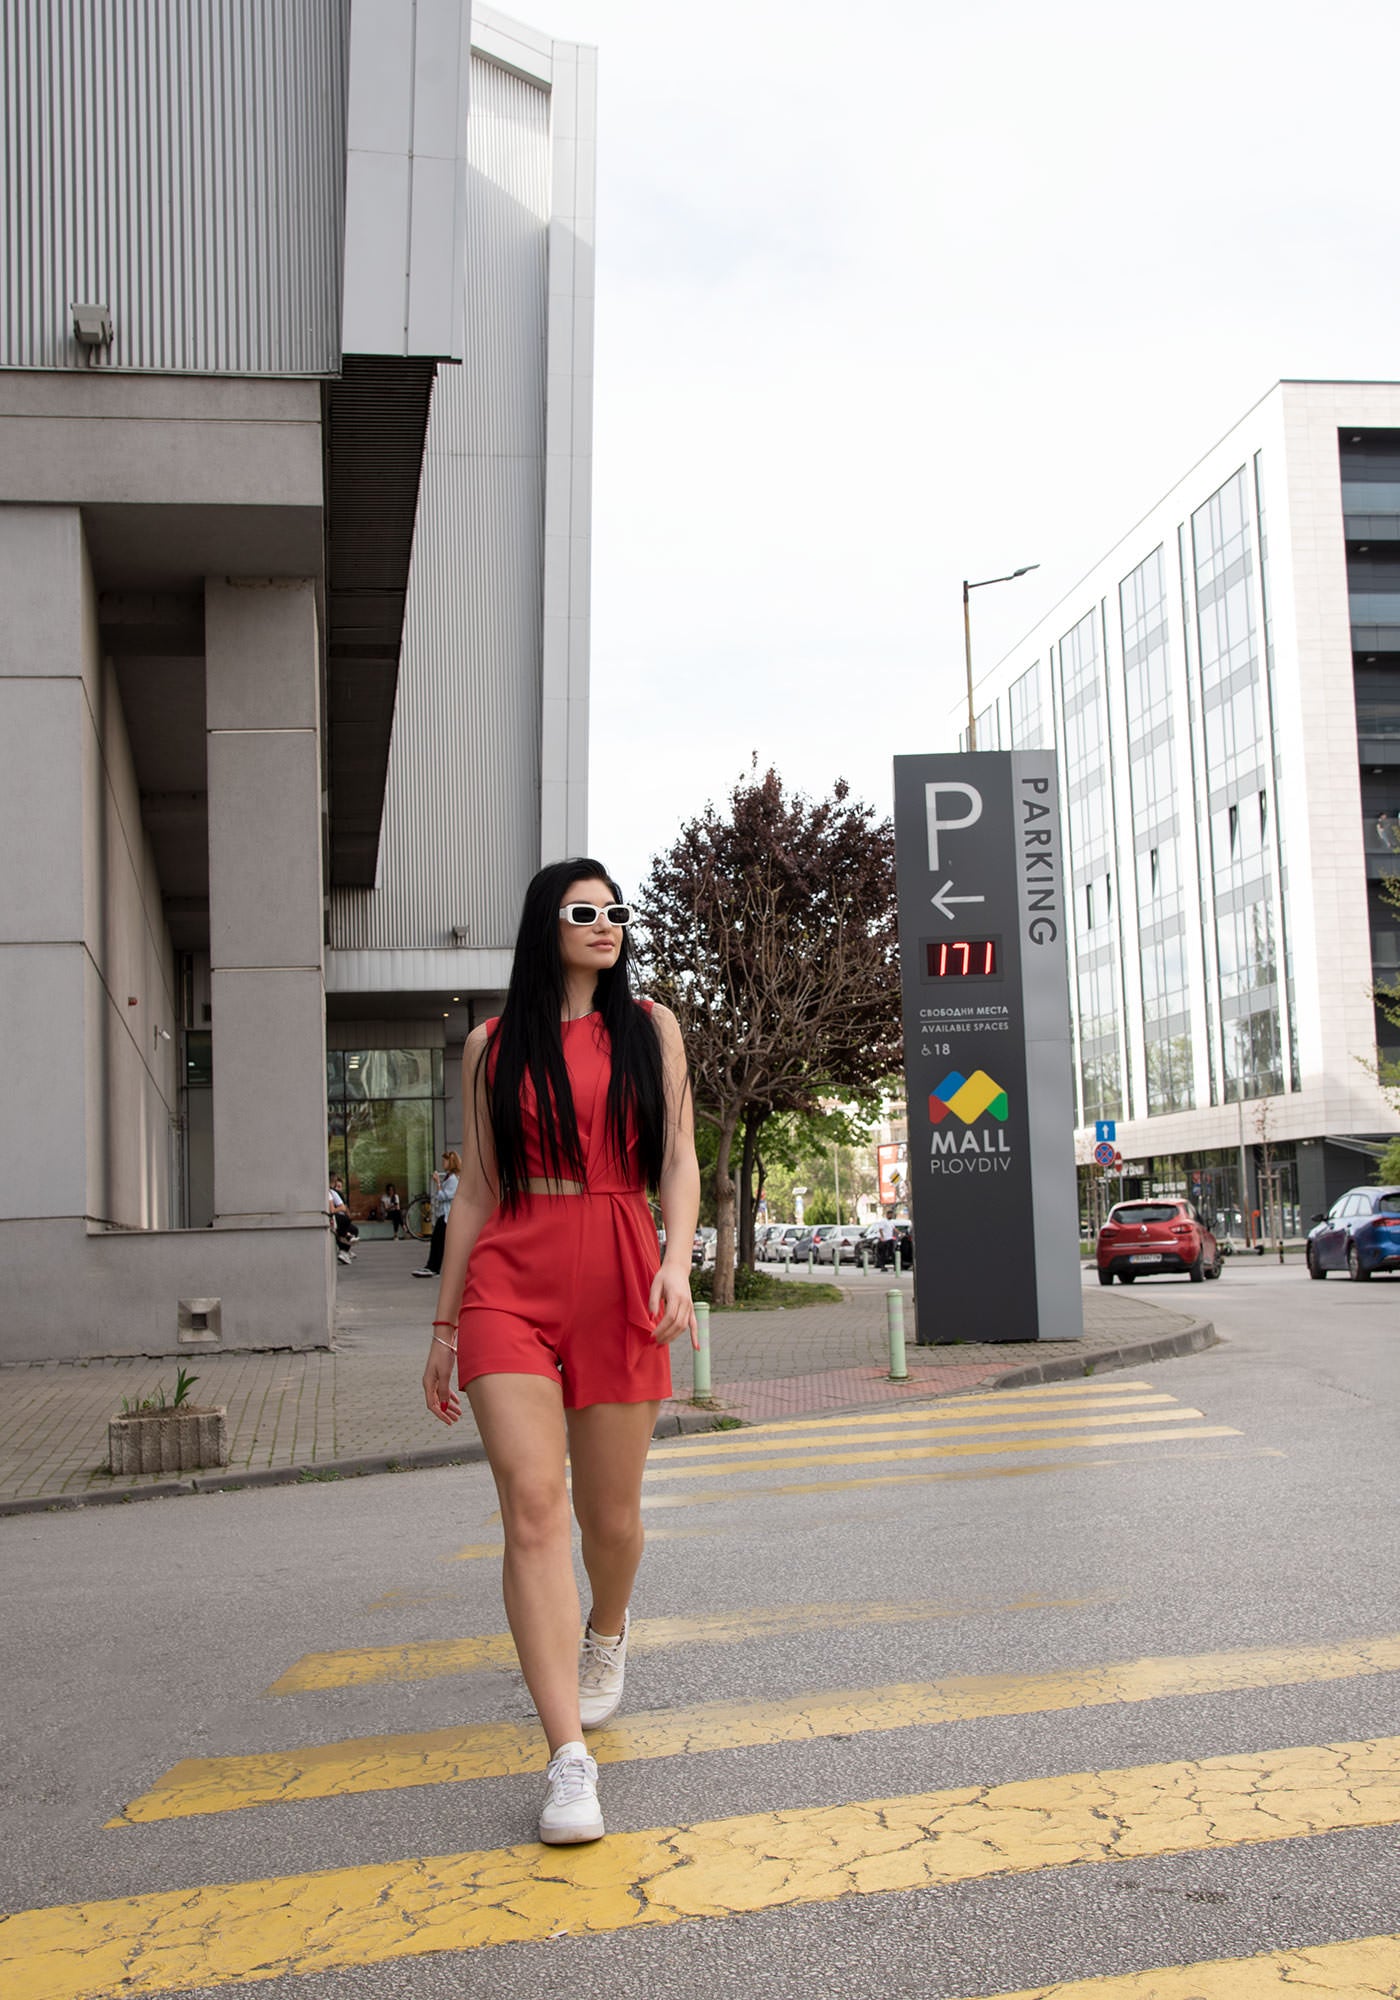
(183, 163)
(487, 770)
(1202, 688)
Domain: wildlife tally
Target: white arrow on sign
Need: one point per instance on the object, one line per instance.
(942, 901)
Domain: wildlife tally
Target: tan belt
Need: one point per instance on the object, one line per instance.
(555, 1187)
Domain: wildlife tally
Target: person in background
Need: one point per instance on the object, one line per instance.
(444, 1188)
(346, 1234)
(391, 1210)
(1388, 832)
(886, 1241)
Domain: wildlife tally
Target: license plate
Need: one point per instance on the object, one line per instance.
(1147, 1257)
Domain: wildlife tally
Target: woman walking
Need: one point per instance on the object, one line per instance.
(554, 1305)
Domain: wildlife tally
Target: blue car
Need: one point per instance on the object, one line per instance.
(1360, 1235)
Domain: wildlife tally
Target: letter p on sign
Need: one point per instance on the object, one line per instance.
(972, 801)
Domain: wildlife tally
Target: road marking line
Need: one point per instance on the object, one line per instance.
(1027, 1428)
(430, 1659)
(932, 1421)
(1354, 1969)
(475, 1550)
(1034, 1468)
(508, 1749)
(1051, 1394)
(1022, 1438)
(234, 1932)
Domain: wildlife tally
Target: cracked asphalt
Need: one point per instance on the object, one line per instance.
(1107, 1699)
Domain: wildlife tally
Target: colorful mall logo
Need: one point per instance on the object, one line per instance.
(968, 1098)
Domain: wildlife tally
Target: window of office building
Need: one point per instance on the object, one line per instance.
(1027, 715)
(384, 1114)
(1238, 751)
(1166, 1021)
(1089, 809)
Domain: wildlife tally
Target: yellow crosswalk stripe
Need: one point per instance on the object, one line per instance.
(1057, 1396)
(951, 1420)
(1019, 1431)
(430, 1659)
(496, 1750)
(235, 1932)
(1021, 1440)
(1033, 1469)
(1355, 1969)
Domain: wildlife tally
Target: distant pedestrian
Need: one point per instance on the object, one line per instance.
(1388, 832)
(885, 1253)
(391, 1209)
(346, 1234)
(555, 1311)
(444, 1189)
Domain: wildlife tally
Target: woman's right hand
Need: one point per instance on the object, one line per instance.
(439, 1391)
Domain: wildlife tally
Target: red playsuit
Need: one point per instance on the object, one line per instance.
(560, 1286)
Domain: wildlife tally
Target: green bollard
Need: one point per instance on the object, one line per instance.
(700, 1357)
(894, 1313)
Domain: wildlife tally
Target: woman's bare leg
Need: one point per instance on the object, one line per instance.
(521, 1420)
(607, 1452)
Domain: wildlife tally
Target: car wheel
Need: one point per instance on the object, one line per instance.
(1214, 1270)
(1314, 1269)
(1355, 1266)
(1126, 1277)
(1196, 1272)
(1105, 1277)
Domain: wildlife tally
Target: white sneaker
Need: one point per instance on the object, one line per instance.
(601, 1673)
(425, 1273)
(341, 1258)
(570, 1811)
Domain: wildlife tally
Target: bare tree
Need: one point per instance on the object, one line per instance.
(771, 931)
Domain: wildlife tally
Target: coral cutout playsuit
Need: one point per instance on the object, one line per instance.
(560, 1287)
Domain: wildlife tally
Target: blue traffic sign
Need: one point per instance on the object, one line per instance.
(1106, 1128)
(1104, 1153)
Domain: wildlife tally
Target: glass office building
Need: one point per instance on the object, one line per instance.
(1223, 693)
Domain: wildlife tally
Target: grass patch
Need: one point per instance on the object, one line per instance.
(310, 1476)
(759, 1291)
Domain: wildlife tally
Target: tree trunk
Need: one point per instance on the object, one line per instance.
(753, 1125)
(723, 1294)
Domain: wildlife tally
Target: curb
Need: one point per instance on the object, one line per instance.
(672, 1423)
(1166, 1347)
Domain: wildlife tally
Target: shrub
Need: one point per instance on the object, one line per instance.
(759, 1291)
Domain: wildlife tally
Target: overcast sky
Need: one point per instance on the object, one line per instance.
(897, 294)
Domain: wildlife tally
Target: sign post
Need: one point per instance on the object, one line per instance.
(981, 884)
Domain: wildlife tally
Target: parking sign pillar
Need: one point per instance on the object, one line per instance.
(980, 866)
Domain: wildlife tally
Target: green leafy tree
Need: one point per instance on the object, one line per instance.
(771, 931)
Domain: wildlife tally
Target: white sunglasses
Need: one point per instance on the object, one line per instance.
(617, 914)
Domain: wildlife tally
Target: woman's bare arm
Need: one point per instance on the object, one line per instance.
(679, 1187)
(473, 1205)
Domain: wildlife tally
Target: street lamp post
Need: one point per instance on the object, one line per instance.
(968, 588)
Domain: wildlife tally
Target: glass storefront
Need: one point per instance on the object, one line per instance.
(385, 1117)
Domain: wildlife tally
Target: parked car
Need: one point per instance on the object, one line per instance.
(1144, 1239)
(779, 1245)
(836, 1242)
(1359, 1235)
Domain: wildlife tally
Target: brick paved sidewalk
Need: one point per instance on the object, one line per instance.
(359, 1407)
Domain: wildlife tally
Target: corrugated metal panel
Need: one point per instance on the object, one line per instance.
(461, 829)
(183, 162)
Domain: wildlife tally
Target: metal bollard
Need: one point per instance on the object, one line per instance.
(894, 1314)
(700, 1357)
(865, 1260)
(811, 1261)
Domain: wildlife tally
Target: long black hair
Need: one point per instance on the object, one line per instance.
(528, 1041)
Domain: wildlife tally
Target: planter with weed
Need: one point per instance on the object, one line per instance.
(163, 1433)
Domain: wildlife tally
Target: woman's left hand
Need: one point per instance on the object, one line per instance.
(670, 1304)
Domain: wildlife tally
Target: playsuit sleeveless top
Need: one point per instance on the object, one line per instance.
(556, 1251)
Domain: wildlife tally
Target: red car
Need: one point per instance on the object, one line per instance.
(1142, 1239)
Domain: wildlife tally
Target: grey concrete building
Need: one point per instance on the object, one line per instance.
(295, 370)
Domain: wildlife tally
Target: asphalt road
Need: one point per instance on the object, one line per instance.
(1092, 1648)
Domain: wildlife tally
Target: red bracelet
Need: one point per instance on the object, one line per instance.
(444, 1322)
